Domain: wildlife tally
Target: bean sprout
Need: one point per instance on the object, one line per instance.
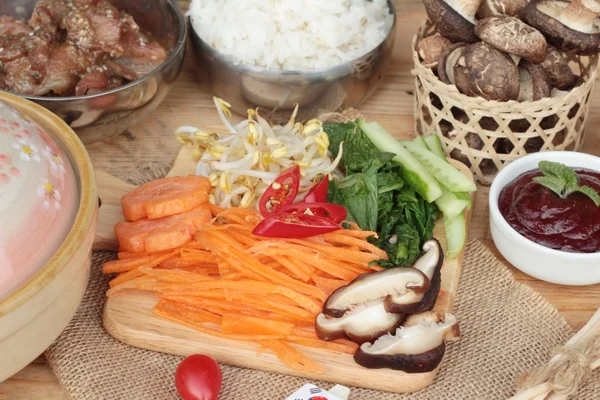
(242, 162)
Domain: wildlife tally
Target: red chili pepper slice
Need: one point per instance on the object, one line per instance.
(332, 212)
(282, 191)
(318, 193)
(294, 226)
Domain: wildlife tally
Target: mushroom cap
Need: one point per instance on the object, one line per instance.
(512, 36)
(490, 8)
(534, 82)
(449, 22)
(560, 75)
(558, 34)
(447, 61)
(376, 285)
(431, 48)
(483, 71)
(364, 324)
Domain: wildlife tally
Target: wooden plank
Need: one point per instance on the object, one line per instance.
(128, 318)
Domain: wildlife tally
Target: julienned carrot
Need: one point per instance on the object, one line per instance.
(292, 357)
(242, 324)
(328, 285)
(216, 244)
(351, 241)
(125, 265)
(228, 283)
(125, 277)
(177, 315)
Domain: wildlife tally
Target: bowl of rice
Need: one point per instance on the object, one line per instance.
(276, 54)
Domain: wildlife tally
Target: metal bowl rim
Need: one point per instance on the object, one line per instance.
(177, 49)
(265, 72)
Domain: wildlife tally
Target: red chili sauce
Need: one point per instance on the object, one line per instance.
(536, 212)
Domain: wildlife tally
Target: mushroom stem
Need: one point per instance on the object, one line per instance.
(466, 8)
(580, 15)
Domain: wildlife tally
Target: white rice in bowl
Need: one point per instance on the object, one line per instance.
(292, 34)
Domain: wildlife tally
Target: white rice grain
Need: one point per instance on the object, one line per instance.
(292, 34)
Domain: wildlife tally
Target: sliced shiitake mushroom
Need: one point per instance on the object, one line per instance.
(560, 75)
(513, 8)
(447, 62)
(567, 25)
(431, 48)
(430, 263)
(483, 71)
(453, 19)
(374, 286)
(365, 323)
(414, 348)
(513, 36)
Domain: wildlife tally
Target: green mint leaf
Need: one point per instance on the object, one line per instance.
(590, 192)
(561, 171)
(557, 185)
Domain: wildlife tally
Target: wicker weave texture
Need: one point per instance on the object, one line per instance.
(487, 135)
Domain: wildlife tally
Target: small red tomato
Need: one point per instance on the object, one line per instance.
(198, 377)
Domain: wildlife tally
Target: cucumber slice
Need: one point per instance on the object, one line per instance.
(412, 171)
(450, 204)
(446, 174)
(466, 197)
(420, 141)
(456, 234)
(435, 146)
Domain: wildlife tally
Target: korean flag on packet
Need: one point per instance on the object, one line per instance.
(312, 392)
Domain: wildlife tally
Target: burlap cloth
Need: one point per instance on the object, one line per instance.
(507, 329)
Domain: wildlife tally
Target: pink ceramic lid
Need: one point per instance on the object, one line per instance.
(38, 198)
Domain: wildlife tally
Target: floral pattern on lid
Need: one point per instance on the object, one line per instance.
(38, 198)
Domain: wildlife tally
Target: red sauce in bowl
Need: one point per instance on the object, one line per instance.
(536, 212)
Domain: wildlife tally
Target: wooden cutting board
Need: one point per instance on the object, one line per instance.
(129, 319)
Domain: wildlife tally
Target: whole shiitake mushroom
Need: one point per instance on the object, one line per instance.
(486, 72)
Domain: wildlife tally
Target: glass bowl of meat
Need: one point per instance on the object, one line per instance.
(100, 65)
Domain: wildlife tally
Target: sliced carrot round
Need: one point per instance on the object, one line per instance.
(165, 197)
(161, 234)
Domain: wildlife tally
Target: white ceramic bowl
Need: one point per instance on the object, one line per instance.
(543, 263)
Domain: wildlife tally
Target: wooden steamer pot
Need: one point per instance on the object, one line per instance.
(487, 135)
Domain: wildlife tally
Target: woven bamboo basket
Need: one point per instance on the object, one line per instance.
(487, 135)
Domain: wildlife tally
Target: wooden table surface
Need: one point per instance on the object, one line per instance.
(151, 144)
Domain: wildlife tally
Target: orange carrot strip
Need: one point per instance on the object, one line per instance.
(198, 256)
(125, 277)
(254, 287)
(175, 275)
(176, 316)
(132, 284)
(360, 243)
(357, 257)
(356, 233)
(292, 357)
(310, 258)
(251, 263)
(244, 325)
(123, 255)
(115, 266)
(329, 285)
(293, 268)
